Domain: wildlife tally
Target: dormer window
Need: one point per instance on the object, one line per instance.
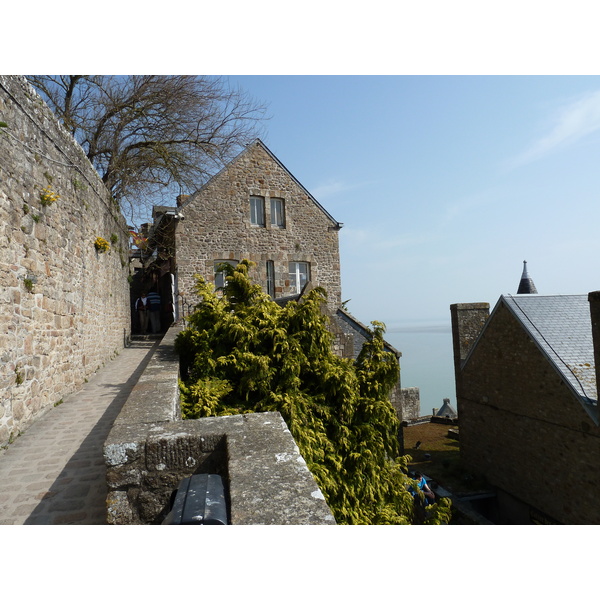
(257, 211)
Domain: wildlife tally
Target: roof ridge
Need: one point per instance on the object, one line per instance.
(548, 295)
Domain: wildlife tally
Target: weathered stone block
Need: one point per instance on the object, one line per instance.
(119, 508)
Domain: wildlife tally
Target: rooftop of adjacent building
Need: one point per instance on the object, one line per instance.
(562, 329)
(447, 410)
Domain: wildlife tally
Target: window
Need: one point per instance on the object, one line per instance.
(220, 281)
(271, 278)
(299, 276)
(257, 211)
(277, 212)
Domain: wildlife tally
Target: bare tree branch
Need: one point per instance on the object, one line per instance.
(152, 134)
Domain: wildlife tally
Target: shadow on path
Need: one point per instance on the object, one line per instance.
(78, 494)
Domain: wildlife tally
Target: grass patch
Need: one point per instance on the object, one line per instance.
(438, 457)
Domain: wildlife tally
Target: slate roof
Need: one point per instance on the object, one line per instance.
(562, 329)
(447, 410)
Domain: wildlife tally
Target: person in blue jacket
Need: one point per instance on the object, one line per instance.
(422, 486)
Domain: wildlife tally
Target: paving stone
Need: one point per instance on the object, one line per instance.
(55, 472)
(72, 518)
(34, 487)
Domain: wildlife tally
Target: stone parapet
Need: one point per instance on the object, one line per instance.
(150, 449)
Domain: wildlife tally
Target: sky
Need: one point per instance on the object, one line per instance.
(445, 185)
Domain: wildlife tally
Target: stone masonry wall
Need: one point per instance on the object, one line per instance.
(217, 226)
(349, 337)
(523, 429)
(64, 307)
(472, 318)
(411, 403)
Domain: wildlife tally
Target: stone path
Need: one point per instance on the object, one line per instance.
(54, 473)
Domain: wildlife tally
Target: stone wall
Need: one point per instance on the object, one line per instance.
(471, 318)
(150, 449)
(64, 306)
(217, 226)
(523, 428)
(410, 401)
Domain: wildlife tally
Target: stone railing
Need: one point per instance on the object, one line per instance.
(150, 449)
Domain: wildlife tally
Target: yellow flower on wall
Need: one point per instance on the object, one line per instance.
(48, 196)
(101, 244)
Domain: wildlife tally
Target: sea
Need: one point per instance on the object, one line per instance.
(427, 362)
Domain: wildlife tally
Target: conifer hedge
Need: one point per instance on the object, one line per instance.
(242, 352)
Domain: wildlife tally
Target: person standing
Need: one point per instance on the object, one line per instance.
(141, 307)
(154, 301)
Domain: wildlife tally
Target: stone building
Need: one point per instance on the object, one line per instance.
(526, 389)
(255, 209)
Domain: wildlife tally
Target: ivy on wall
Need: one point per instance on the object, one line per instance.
(242, 352)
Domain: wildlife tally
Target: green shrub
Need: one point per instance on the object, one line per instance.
(242, 352)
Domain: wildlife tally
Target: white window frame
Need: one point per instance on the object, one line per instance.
(299, 275)
(278, 212)
(220, 281)
(257, 211)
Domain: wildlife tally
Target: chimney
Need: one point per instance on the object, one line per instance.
(467, 322)
(594, 300)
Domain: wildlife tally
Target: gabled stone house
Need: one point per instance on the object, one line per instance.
(254, 209)
(526, 388)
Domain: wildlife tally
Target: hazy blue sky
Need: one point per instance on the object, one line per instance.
(445, 184)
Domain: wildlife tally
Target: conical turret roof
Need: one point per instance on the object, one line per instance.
(526, 285)
(447, 410)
